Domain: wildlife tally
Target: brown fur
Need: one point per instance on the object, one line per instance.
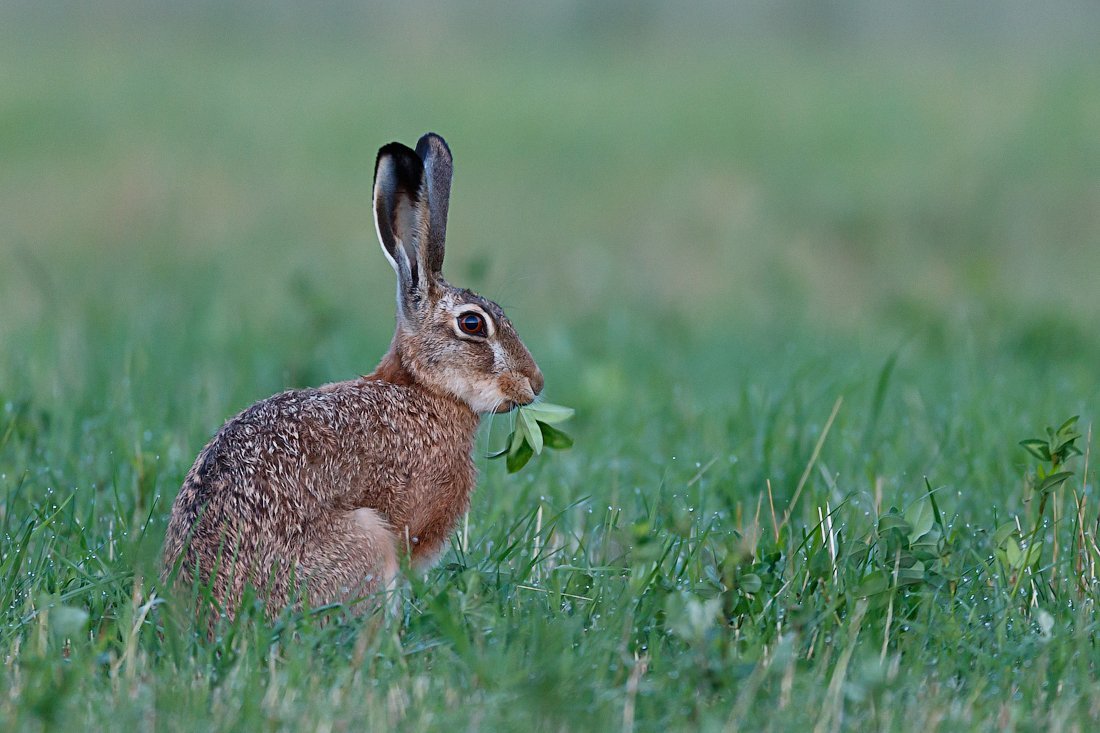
(317, 493)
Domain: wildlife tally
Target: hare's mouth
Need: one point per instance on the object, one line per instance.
(510, 403)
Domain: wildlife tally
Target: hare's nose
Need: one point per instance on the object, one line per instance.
(536, 381)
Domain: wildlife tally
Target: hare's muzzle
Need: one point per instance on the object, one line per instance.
(520, 389)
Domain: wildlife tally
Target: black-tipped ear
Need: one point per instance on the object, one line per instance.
(438, 171)
(399, 212)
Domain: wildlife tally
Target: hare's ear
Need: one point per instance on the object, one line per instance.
(401, 218)
(438, 170)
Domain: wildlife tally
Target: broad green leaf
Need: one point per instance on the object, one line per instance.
(518, 437)
(750, 583)
(876, 582)
(912, 574)
(518, 459)
(1064, 444)
(1053, 481)
(515, 439)
(891, 521)
(531, 428)
(554, 438)
(929, 538)
(1003, 533)
(1018, 558)
(1068, 423)
(920, 517)
(546, 412)
(928, 546)
(1037, 447)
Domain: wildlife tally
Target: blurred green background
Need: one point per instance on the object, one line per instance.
(184, 173)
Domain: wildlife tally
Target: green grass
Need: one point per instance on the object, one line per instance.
(706, 249)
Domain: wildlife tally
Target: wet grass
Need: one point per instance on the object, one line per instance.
(805, 303)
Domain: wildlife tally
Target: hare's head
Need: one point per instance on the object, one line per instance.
(448, 339)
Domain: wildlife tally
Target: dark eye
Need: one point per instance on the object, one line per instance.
(472, 323)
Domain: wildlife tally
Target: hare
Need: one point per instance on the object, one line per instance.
(316, 494)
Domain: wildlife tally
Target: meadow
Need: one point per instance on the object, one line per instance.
(807, 300)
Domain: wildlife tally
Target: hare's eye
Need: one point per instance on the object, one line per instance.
(472, 323)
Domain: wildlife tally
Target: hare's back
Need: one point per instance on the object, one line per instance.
(253, 469)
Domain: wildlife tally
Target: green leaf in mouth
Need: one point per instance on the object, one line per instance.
(533, 432)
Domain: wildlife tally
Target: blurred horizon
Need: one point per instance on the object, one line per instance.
(962, 24)
(880, 173)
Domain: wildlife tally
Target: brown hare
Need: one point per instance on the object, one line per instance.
(316, 494)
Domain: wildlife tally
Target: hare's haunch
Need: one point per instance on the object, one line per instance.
(316, 494)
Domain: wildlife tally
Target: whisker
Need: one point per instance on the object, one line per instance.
(492, 418)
